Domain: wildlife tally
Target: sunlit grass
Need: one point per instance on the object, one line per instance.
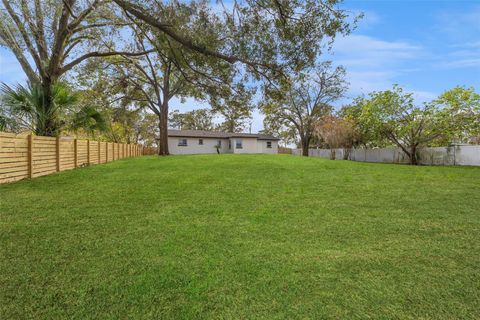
(242, 237)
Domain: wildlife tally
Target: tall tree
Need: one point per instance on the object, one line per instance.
(396, 117)
(302, 101)
(49, 38)
(260, 40)
(170, 70)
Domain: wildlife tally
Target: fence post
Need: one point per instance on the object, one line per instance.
(106, 152)
(113, 150)
(30, 155)
(75, 151)
(98, 155)
(88, 151)
(57, 144)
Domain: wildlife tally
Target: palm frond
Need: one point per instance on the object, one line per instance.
(89, 119)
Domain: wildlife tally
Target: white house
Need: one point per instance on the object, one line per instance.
(197, 141)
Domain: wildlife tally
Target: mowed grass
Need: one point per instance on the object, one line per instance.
(242, 237)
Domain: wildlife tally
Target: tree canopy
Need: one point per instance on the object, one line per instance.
(393, 116)
(302, 101)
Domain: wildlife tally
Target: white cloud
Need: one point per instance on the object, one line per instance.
(463, 63)
(465, 55)
(373, 64)
(361, 50)
(459, 24)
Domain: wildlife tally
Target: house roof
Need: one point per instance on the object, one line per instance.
(217, 134)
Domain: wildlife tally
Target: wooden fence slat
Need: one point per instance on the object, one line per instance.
(58, 153)
(88, 151)
(30, 155)
(75, 152)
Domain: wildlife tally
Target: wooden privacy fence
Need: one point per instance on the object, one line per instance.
(30, 156)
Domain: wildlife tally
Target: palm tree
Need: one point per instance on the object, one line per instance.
(28, 105)
(88, 119)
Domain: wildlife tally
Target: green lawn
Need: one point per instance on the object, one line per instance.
(242, 237)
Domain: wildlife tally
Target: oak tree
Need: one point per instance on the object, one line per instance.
(49, 38)
(304, 100)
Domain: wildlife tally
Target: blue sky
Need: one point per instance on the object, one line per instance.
(425, 46)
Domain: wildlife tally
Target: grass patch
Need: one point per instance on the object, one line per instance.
(242, 236)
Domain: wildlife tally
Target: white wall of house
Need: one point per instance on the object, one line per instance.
(249, 145)
(262, 146)
(193, 146)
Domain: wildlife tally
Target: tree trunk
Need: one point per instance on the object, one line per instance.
(305, 141)
(163, 126)
(46, 123)
(413, 156)
(333, 154)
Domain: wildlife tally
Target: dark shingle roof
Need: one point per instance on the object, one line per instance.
(217, 134)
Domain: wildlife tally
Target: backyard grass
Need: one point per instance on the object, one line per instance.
(242, 237)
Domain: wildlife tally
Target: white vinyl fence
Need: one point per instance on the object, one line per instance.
(451, 156)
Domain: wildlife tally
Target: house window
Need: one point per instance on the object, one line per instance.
(200, 141)
(238, 144)
(229, 144)
(269, 144)
(182, 142)
(219, 143)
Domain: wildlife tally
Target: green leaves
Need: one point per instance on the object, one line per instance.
(89, 119)
(200, 119)
(303, 99)
(459, 113)
(393, 115)
(33, 108)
